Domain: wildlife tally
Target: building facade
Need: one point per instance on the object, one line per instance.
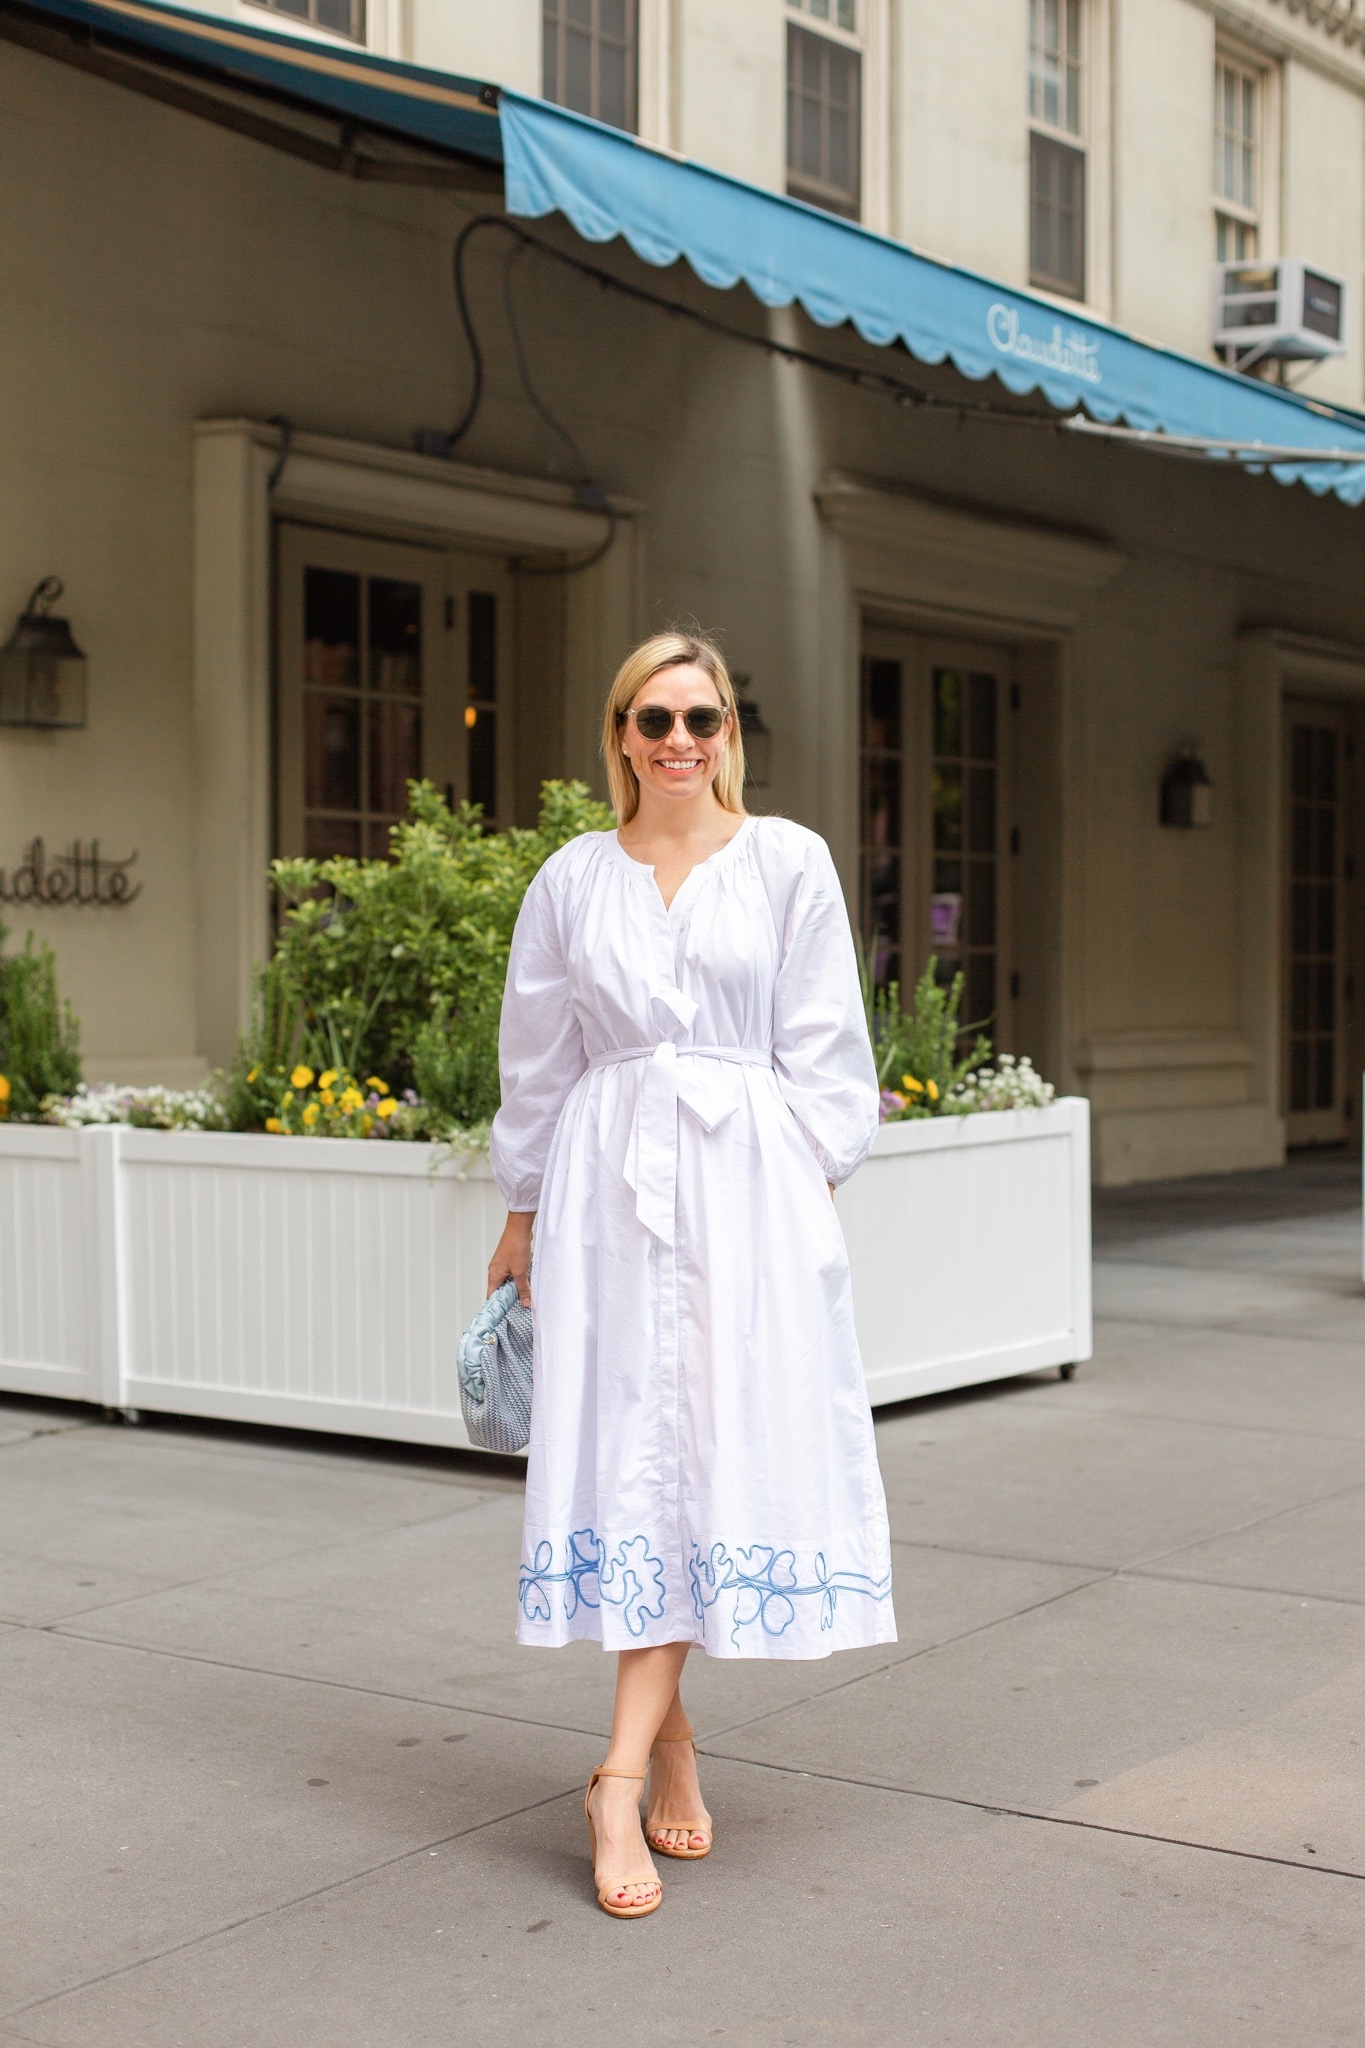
(980, 644)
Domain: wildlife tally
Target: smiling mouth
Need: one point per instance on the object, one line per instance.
(677, 767)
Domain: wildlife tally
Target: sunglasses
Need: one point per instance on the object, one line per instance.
(655, 722)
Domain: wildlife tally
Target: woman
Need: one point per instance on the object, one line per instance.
(686, 1076)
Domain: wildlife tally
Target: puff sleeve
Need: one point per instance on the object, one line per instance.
(821, 1050)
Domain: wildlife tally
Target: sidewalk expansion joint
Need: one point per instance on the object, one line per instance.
(1027, 1813)
(322, 1891)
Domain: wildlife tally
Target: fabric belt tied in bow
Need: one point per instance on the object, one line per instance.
(670, 1078)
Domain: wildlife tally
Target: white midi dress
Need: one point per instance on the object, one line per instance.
(678, 1085)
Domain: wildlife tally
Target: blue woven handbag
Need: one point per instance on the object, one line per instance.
(495, 1373)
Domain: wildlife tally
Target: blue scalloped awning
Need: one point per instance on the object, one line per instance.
(608, 184)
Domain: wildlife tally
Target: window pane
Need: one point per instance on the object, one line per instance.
(981, 723)
(483, 647)
(979, 1003)
(589, 57)
(577, 71)
(611, 85)
(331, 752)
(947, 809)
(483, 770)
(324, 837)
(395, 737)
(981, 903)
(882, 717)
(947, 711)
(1325, 1089)
(1057, 216)
(981, 810)
(331, 629)
(823, 121)
(882, 802)
(395, 636)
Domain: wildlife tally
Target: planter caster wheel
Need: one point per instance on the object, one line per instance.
(1067, 1372)
(131, 1416)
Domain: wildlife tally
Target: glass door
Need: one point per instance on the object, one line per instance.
(392, 665)
(1316, 767)
(933, 770)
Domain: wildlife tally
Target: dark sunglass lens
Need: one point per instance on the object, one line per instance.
(704, 721)
(654, 723)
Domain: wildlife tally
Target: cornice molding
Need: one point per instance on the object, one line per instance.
(1296, 29)
(918, 550)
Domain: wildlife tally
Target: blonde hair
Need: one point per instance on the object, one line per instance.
(641, 665)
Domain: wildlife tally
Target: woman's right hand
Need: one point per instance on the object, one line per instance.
(512, 1259)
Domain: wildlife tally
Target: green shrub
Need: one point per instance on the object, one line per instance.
(918, 1051)
(395, 968)
(39, 1036)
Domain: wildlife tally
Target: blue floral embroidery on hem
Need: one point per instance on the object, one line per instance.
(626, 1580)
(765, 1583)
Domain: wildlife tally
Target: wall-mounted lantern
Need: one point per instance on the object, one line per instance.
(42, 670)
(758, 739)
(1187, 791)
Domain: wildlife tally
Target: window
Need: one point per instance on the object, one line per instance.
(342, 17)
(391, 664)
(590, 58)
(843, 13)
(1236, 159)
(931, 784)
(1056, 150)
(824, 122)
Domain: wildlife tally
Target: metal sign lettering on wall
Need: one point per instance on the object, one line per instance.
(80, 876)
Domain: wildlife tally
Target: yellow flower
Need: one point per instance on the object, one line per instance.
(327, 1095)
(386, 1107)
(379, 1087)
(302, 1077)
(933, 1091)
(4, 1089)
(912, 1086)
(367, 1124)
(286, 1098)
(311, 1115)
(272, 1123)
(326, 1080)
(351, 1098)
(252, 1075)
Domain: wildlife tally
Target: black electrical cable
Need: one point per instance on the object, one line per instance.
(587, 490)
(899, 389)
(860, 377)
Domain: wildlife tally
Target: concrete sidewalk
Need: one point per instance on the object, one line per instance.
(276, 1776)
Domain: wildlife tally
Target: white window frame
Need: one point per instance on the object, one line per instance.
(388, 26)
(798, 16)
(1094, 139)
(1058, 130)
(360, 488)
(1264, 214)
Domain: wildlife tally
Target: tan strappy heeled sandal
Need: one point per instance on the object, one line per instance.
(641, 1907)
(689, 1828)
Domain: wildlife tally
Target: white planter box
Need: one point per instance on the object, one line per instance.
(320, 1283)
(969, 1239)
(317, 1283)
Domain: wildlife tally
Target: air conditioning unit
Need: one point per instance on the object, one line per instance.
(1283, 310)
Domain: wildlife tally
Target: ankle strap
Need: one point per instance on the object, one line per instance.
(636, 1777)
(690, 1736)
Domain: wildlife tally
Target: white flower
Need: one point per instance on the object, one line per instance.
(155, 1109)
(1010, 1084)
